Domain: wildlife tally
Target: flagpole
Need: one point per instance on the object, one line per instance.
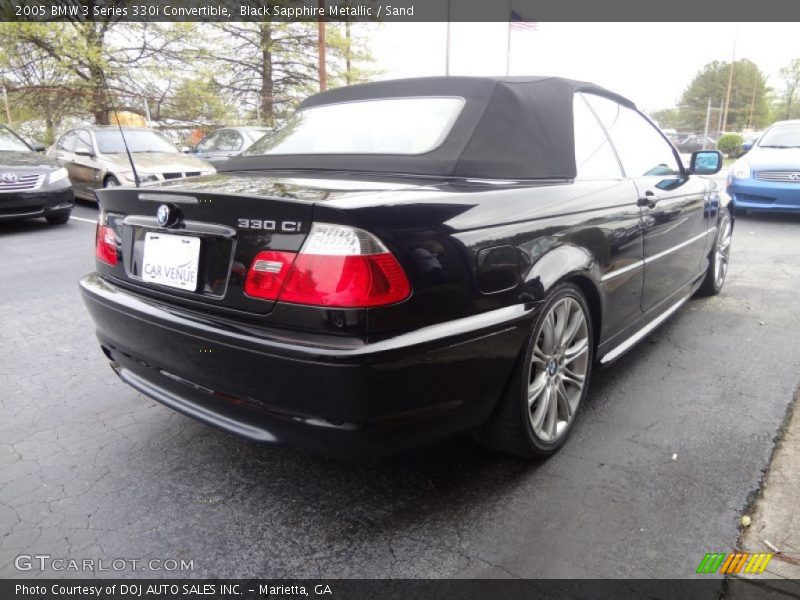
(730, 82)
(447, 48)
(508, 47)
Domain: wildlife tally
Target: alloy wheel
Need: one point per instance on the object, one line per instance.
(558, 369)
(722, 251)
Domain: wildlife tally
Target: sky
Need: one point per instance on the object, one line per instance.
(649, 63)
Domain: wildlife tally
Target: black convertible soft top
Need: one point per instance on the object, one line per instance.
(509, 128)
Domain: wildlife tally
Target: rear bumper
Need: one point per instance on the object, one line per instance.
(342, 398)
(753, 194)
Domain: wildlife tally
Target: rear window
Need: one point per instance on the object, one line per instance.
(386, 126)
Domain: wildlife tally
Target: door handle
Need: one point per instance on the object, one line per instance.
(648, 200)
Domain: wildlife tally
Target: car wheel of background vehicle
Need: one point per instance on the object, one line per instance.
(111, 181)
(549, 382)
(719, 258)
(58, 218)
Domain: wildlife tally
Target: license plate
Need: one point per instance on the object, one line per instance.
(171, 260)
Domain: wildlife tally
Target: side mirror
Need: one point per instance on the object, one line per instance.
(705, 162)
(83, 152)
(37, 147)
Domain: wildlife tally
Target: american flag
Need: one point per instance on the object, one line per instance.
(518, 23)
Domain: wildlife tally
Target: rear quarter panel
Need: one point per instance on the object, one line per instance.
(558, 229)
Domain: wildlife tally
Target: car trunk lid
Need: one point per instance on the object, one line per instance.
(199, 253)
(194, 247)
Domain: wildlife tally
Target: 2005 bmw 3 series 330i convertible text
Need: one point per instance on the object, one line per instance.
(409, 260)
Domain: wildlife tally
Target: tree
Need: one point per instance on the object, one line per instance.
(669, 118)
(789, 107)
(266, 65)
(39, 87)
(748, 107)
(196, 100)
(349, 58)
(271, 66)
(93, 56)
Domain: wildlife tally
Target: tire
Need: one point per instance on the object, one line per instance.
(59, 218)
(719, 258)
(550, 381)
(111, 181)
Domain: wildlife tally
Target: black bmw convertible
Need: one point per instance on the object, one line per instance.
(409, 260)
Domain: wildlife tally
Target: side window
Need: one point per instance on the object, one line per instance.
(84, 140)
(67, 141)
(229, 141)
(594, 156)
(207, 143)
(641, 148)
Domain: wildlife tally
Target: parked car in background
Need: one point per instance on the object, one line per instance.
(693, 143)
(749, 139)
(677, 137)
(409, 260)
(669, 132)
(95, 158)
(221, 144)
(31, 185)
(768, 176)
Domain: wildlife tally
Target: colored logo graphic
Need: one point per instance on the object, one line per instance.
(735, 562)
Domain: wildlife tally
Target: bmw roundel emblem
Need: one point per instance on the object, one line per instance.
(163, 215)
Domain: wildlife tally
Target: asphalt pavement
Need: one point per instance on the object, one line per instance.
(664, 458)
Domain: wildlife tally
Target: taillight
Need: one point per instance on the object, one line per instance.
(337, 267)
(267, 274)
(105, 248)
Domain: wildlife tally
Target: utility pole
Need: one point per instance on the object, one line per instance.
(323, 76)
(730, 83)
(719, 121)
(708, 120)
(8, 108)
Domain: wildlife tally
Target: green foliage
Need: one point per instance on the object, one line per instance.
(787, 106)
(730, 144)
(79, 68)
(209, 73)
(200, 101)
(749, 106)
(670, 118)
(349, 60)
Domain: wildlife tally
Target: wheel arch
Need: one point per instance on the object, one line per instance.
(587, 285)
(569, 263)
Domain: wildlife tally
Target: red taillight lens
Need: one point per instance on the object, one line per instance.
(267, 273)
(338, 267)
(346, 281)
(105, 248)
